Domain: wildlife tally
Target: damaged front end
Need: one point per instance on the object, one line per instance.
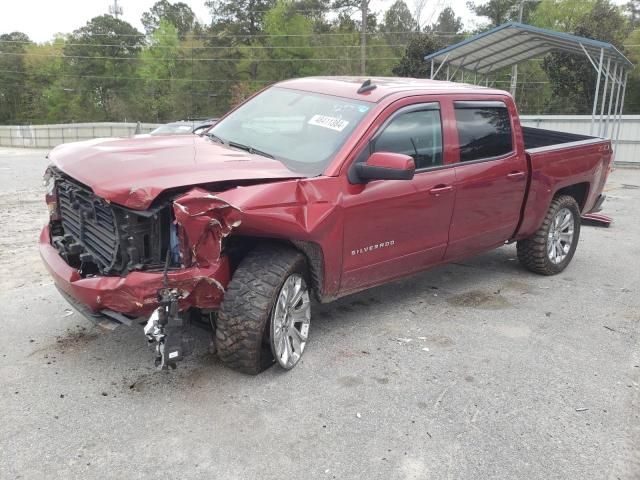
(126, 264)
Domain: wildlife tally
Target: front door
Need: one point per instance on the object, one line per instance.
(395, 227)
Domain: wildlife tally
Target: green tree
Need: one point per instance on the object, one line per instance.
(101, 59)
(632, 103)
(285, 52)
(447, 23)
(239, 17)
(572, 77)
(13, 49)
(497, 11)
(562, 15)
(178, 14)
(412, 63)
(46, 83)
(448, 27)
(398, 24)
(162, 71)
(632, 8)
(316, 11)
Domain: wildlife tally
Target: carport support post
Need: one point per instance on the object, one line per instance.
(614, 83)
(595, 97)
(604, 98)
(614, 124)
(624, 91)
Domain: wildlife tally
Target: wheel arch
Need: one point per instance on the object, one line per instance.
(579, 191)
(312, 251)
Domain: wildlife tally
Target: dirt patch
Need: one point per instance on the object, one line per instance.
(76, 338)
(479, 299)
(192, 373)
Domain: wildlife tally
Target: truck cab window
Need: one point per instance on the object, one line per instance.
(484, 130)
(418, 134)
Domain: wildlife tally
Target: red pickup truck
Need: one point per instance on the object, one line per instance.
(312, 188)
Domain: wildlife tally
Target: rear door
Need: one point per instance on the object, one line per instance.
(490, 177)
(396, 227)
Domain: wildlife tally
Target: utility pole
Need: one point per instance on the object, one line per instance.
(514, 69)
(115, 9)
(364, 7)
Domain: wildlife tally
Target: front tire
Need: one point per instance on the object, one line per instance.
(552, 247)
(265, 314)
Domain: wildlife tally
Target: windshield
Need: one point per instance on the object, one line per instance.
(300, 129)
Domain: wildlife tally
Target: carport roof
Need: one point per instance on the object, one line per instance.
(513, 42)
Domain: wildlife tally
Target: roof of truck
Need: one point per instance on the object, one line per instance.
(348, 87)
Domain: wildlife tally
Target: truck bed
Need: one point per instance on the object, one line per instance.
(560, 160)
(539, 137)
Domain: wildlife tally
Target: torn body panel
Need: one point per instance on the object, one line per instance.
(136, 293)
(204, 221)
(301, 211)
(295, 210)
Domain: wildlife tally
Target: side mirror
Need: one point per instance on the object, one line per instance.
(386, 166)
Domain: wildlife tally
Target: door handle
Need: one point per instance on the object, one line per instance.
(438, 189)
(515, 175)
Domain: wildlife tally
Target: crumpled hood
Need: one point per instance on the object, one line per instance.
(132, 172)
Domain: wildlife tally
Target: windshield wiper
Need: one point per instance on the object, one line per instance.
(251, 150)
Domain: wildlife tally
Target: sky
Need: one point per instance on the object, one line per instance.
(42, 19)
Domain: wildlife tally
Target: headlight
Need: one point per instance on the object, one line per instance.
(49, 181)
(51, 194)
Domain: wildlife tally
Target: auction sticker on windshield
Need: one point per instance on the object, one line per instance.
(332, 123)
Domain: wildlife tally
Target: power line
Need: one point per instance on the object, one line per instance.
(271, 35)
(226, 47)
(113, 77)
(218, 47)
(106, 57)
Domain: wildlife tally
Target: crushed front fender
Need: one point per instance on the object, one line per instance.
(204, 221)
(136, 293)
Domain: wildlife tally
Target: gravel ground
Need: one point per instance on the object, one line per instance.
(473, 370)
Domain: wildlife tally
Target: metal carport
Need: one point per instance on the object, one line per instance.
(513, 43)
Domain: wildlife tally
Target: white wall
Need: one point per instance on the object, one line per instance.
(47, 136)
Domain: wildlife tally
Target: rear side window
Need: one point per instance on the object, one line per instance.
(484, 130)
(415, 133)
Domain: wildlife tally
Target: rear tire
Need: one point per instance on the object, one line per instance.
(243, 330)
(551, 248)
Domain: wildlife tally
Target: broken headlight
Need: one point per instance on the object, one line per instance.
(51, 194)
